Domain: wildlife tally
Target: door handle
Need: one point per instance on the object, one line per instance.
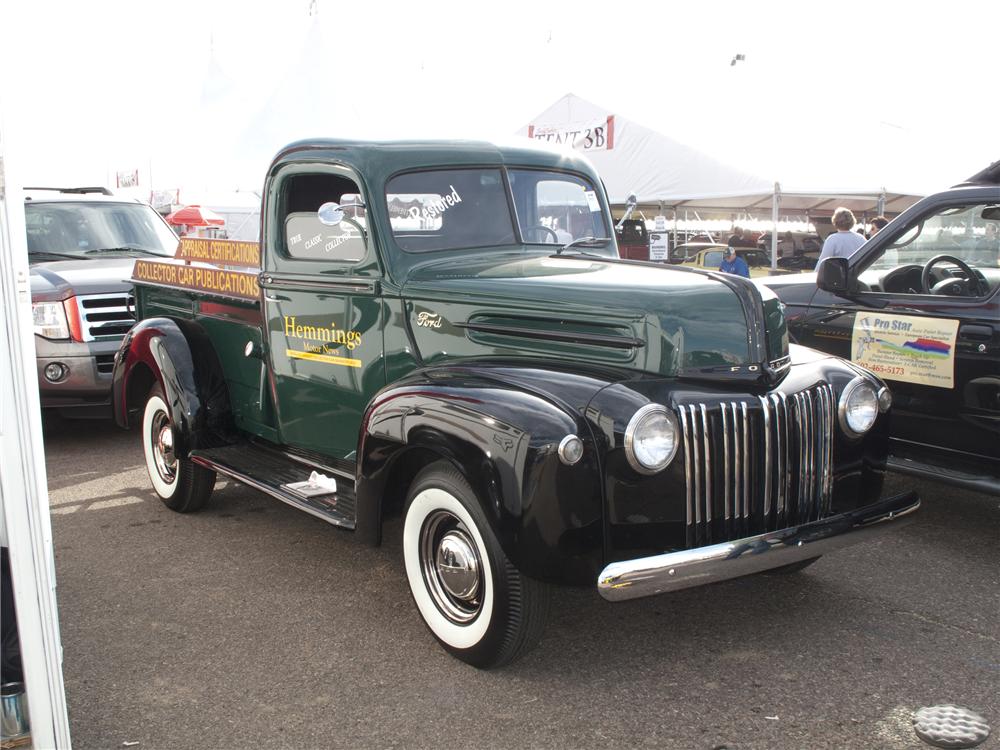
(976, 333)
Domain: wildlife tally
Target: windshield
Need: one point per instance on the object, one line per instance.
(447, 209)
(555, 208)
(84, 229)
(969, 233)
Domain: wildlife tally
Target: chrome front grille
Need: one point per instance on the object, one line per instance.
(755, 465)
(105, 314)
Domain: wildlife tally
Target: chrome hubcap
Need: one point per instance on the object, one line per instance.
(162, 438)
(452, 570)
(458, 566)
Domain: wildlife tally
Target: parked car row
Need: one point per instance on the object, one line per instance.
(447, 363)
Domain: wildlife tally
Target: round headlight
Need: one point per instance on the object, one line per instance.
(651, 439)
(858, 408)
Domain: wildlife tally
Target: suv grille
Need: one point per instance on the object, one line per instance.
(104, 315)
(105, 363)
(757, 465)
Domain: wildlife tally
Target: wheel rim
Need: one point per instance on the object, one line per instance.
(162, 447)
(451, 567)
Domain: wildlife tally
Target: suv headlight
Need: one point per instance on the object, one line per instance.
(858, 407)
(651, 439)
(50, 320)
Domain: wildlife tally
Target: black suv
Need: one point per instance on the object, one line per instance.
(919, 304)
(82, 243)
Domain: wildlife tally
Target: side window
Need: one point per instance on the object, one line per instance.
(305, 236)
(954, 251)
(713, 259)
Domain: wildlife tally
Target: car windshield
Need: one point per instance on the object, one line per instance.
(85, 229)
(970, 233)
(447, 209)
(555, 208)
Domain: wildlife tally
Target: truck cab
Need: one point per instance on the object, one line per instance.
(445, 330)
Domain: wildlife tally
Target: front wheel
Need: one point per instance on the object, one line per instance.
(480, 608)
(182, 485)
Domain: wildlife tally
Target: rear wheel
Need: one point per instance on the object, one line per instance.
(480, 608)
(183, 486)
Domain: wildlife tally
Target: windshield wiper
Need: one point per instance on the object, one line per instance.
(124, 249)
(590, 241)
(50, 254)
(585, 254)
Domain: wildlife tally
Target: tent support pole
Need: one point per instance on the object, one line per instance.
(675, 228)
(775, 200)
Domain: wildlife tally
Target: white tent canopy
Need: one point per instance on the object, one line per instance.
(632, 159)
(665, 174)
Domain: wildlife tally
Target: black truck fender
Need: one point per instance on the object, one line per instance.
(504, 439)
(179, 356)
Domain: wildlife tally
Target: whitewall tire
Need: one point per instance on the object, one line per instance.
(478, 606)
(181, 485)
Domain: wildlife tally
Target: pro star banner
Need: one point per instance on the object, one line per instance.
(589, 135)
(906, 348)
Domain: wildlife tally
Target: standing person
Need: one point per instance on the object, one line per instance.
(736, 238)
(786, 246)
(987, 250)
(562, 236)
(733, 264)
(844, 242)
(878, 224)
(991, 238)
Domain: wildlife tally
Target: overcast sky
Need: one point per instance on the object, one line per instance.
(891, 94)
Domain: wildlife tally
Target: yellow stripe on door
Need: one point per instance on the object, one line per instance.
(314, 357)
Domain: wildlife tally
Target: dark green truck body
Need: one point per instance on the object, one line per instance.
(452, 318)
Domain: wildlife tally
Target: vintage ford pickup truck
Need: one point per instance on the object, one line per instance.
(446, 331)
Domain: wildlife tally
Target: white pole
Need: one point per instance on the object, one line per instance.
(674, 246)
(26, 528)
(774, 226)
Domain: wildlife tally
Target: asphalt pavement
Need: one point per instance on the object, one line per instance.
(253, 625)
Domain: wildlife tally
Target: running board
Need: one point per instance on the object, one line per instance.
(267, 470)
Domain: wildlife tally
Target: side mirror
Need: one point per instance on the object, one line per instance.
(832, 275)
(330, 214)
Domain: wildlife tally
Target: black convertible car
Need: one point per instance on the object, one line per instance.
(919, 304)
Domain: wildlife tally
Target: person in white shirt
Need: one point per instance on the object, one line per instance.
(786, 246)
(562, 235)
(844, 242)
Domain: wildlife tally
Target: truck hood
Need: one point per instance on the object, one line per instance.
(642, 316)
(57, 280)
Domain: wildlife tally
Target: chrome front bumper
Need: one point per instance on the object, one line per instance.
(672, 571)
